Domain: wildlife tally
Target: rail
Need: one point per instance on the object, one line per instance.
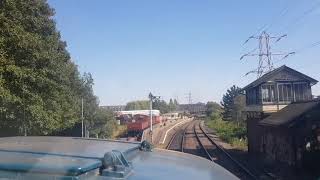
(171, 140)
(202, 146)
(183, 137)
(243, 168)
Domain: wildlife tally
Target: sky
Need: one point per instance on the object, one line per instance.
(175, 47)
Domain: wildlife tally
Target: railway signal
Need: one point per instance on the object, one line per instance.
(152, 98)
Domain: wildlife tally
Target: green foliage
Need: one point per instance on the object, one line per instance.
(161, 105)
(104, 124)
(40, 87)
(213, 110)
(231, 132)
(137, 105)
(158, 104)
(239, 112)
(228, 102)
(173, 105)
(119, 131)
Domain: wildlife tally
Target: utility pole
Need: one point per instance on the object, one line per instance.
(265, 55)
(151, 98)
(82, 117)
(189, 98)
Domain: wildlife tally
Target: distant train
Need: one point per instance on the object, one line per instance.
(139, 123)
(142, 122)
(139, 120)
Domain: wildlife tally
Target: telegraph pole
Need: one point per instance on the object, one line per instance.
(82, 117)
(265, 55)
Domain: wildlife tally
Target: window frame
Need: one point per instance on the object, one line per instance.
(304, 91)
(287, 99)
(271, 97)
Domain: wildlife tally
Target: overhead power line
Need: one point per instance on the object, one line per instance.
(283, 12)
(300, 50)
(267, 26)
(287, 28)
(265, 63)
(273, 20)
(306, 47)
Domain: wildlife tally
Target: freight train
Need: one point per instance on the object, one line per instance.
(139, 120)
(140, 123)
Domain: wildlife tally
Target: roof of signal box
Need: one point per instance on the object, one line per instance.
(266, 77)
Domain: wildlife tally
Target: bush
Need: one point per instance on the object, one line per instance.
(231, 132)
(119, 131)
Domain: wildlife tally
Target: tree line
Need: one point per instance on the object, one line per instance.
(41, 88)
(157, 104)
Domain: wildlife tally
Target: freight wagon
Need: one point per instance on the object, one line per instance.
(139, 123)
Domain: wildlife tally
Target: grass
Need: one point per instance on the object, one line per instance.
(230, 132)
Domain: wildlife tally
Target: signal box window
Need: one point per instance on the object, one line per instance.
(268, 93)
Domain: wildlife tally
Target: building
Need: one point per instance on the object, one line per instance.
(286, 134)
(171, 116)
(141, 112)
(198, 108)
(114, 108)
(276, 89)
(278, 106)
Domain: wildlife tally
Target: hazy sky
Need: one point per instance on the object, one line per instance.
(173, 47)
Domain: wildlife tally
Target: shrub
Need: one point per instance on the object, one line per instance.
(231, 132)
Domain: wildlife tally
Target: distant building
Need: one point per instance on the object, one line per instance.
(114, 108)
(171, 116)
(281, 115)
(198, 108)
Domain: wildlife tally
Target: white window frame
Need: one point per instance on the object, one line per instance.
(273, 99)
(292, 94)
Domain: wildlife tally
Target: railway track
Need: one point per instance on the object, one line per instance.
(216, 153)
(178, 139)
(192, 138)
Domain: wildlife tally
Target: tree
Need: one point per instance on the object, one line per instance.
(104, 124)
(157, 104)
(160, 105)
(40, 87)
(239, 108)
(138, 105)
(90, 101)
(175, 102)
(213, 110)
(228, 102)
(172, 105)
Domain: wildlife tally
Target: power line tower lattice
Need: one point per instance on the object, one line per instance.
(264, 53)
(189, 98)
